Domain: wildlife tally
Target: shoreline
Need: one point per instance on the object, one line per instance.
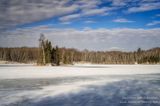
(74, 64)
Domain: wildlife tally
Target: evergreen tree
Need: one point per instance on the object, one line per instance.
(48, 49)
(57, 56)
(47, 53)
(139, 58)
(53, 56)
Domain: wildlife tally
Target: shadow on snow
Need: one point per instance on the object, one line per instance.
(122, 93)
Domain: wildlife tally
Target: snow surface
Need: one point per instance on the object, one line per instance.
(80, 85)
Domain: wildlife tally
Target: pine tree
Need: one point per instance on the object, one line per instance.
(57, 56)
(139, 59)
(48, 49)
(53, 56)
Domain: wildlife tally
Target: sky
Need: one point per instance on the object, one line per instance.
(99, 25)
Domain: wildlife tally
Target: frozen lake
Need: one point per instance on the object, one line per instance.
(80, 85)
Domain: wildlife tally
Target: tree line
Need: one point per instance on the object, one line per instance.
(19, 54)
(58, 56)
(49, 54)
(151, 56)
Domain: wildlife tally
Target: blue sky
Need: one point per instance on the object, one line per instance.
(98, 24)
(105, 14)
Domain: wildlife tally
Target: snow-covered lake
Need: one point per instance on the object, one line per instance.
(80, 85)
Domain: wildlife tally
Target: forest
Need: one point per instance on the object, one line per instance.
(46, 53)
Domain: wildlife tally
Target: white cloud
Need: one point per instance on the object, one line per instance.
(93, 39)
(96, 11)
(65, 23)
(122, 20)
(144, 7)
(119, 2)
(88, 4)
(14, 12)
(90, 21)
(133, 6)
(153, 23)
(87, 12)
(69, 17)
(158, 15)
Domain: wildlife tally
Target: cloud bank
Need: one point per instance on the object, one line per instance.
(87, 38)
(153, 23)
(122, 20)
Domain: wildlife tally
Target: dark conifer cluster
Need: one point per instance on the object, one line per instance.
(46, 53)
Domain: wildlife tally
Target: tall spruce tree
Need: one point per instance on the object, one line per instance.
(57, 56)
(48, 49)
(53, 56)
